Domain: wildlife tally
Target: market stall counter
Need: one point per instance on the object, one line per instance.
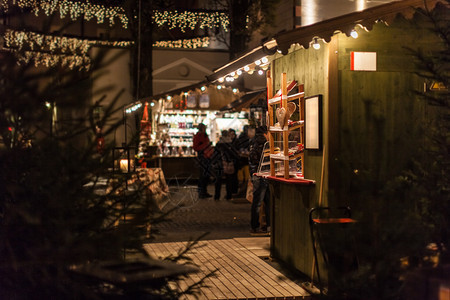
(291, 201)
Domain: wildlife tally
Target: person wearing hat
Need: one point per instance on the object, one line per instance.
(202, 145)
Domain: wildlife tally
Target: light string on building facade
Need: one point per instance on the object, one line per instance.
(37, 41)
(50, 60)
(74, 9)
(188, 19)
(49, 51)
(40, 47)
(88, 11)
(185, 43)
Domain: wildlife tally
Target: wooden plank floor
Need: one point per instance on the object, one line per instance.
(240, 273)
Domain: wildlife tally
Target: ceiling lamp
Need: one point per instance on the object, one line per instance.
(257, 62)
(221, 79)
(354, 34)
(246, 68)
(260, 72)
(265, 60)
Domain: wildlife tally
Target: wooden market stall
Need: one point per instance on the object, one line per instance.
(366, 115)
(175, 117)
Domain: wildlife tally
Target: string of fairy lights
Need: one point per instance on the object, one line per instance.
(189, 19)
(184, 43)
(88, 11)
(51, 50)
(74, 9)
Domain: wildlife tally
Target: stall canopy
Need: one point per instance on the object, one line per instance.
(245, 101)
(305, 35)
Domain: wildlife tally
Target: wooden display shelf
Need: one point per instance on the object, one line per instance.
(281, 99)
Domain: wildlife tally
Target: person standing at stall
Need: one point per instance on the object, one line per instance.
(243, 174)
(260, 185)
(234, 151)
(223, 165)
(202, 145)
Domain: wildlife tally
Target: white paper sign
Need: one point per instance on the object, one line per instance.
(363, 61)
(312, 122)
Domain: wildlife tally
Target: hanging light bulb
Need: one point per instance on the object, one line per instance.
(354, 34)
(203, 88)
(257, 62)
(260, 72)
(265, 60)
(219, 87)
(238, 72)
(316, 44)
(221, 79)
(246, 68)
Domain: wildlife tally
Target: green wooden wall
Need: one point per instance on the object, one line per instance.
(380, 116)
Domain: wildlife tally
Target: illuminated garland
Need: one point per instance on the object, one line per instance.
(52, 60)
(50, 50)
(37, 41)
(187, 19)
(88, 11)
(73, 8)
(186, 44)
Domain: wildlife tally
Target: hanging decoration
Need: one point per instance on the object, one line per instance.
(36, 41)
(185, 43)
(75, 9)
(52, 60)
(49, 51)
(189, 19)
(88, 11)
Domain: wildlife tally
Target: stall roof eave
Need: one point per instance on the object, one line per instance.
(303, 36)
(268, 48)
(346, 23)
(179, 90)
(245, 101)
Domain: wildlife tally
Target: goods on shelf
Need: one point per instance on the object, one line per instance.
(175, 130)
(294, 158)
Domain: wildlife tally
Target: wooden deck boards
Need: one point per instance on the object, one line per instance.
(240, 273)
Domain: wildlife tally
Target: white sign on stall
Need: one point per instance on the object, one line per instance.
(363, 61)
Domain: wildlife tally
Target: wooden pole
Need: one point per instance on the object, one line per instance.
(322, 175)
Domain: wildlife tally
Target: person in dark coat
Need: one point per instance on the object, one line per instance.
(223, 162)
(234, 151)
(205, 151)
(260, 185)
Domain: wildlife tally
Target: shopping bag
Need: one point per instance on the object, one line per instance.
(228, 167)
(249, 195)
